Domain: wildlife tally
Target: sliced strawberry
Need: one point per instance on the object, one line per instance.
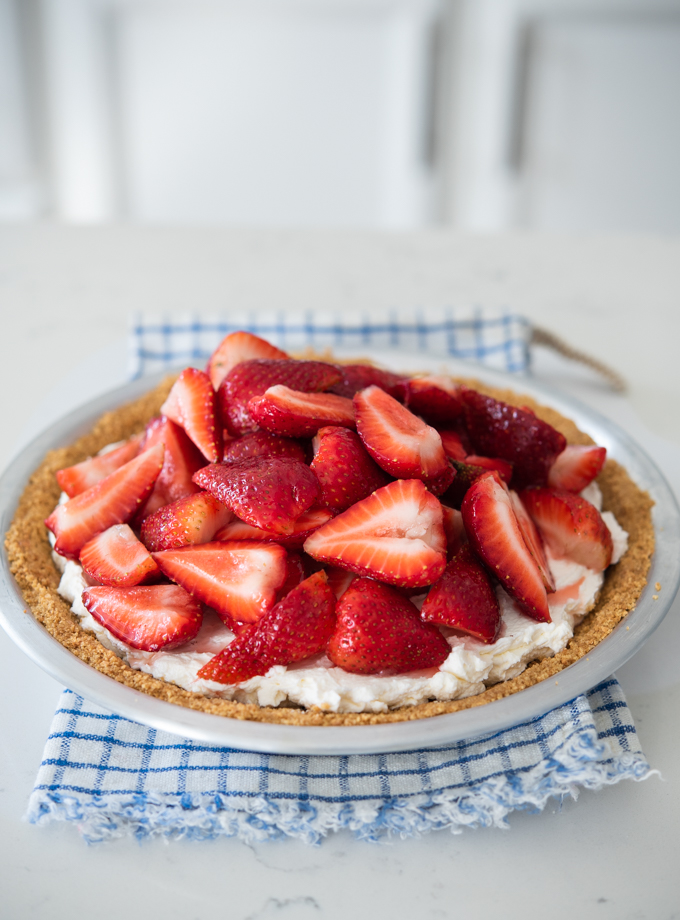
(339, 580)
(576, 467)
(267, 492)
(357, 377)
(344, 469)
(399, 442)
(253, 378)
(453, 444)
(148, 618)
(182, 459)
(236, 348)
(116, 557)
(493, 531)
(497, 429)
(454, 530)
(464, 599)
(262, 444)
(239, 580)
(396, 535)
(304, 527)
(502, 467)
(532, 539)
(379, 630)
(112, 500)
(570, 526)
(191, 520)
(191, 403)
(300, 415)
(466, 474)
(297, 627)
(295, 573)
(76, 479)
(435, 398)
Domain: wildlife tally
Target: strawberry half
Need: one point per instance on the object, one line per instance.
(464, 599)
(395, 535)
(466, 474)
(253, 378)
(344, 469)
(76, 479)
(111, 501)
(435, 398)
(182, 459)
(298, 626)
(262, 444)
(497, 429)
(193, 519)
(357, 377)
(576, 467)
(452, 443)
(300, 415)
(191, 403)
(304, 527)
(148, 618)
(236, 348)
(267, 492)
(116, 557)
(502, 467)
(570, 526)
(379, 630)
(238, 580)
(532, 539)
(494, 534)
(454, 530)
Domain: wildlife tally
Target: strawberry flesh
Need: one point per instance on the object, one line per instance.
(532, 539)
(344, 469)
(182, 459)
(357, 377)
(191, 404)
(379, 631)
(304, 527)
(191, 520)
(76, 479)
(576, 467)
(502, 467)
(116, 557)
(436, 399)
(236, 348)
(284, 411)
(263, 444)
(452, 442)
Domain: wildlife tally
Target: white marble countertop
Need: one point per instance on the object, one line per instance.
(65, 296)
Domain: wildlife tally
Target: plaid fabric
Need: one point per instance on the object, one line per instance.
(113, 777)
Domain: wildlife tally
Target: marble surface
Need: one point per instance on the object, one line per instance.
(65, 295)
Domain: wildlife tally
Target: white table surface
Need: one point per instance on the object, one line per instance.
(65, 295)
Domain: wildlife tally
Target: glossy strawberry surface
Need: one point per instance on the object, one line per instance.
(263, 444)
(300, 415)
(192, 405)
(193, 519)
(576, 467)
(236, 348)
(116, 557)
(76, 479)
(344, 468)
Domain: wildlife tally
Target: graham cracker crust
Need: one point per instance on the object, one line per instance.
(31, 563)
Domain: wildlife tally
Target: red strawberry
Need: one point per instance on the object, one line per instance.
(497, 429)
(379, 630)
(304, 526)
(239, 580)
(253, 378)
(532, 539)
(435, 398)
(148, 618)
(399, 442)
(396, 535)
(576, 467)
(297, 627)
(466, 474)
(464, 599)
(76, 479)
(570, 526)
(344, 469)
(295, 573)
(182, 459)
(267, 492)
(339, 580)
(454, 530)
(502, 467)
(191, 403)
(193, 519)
(300, 415)
(357, 377)
(494, 534)
(111, 501)
(262, 444)
(236, 348)
(453, 444)
(116, 557)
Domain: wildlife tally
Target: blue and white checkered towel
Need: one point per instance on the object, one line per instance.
(114, 777)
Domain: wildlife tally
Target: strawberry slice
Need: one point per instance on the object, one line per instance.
(379, 630)
(239, 580)
(300, 415)
(236, 348)
(453, 444)
(116, 557)
(112, 500)
(76, 479)
(262, 444)
(339, 580)
(148, 618)
(191, 403)
(253, 378)
(267, 492)
(344, 469)
(466, 474)
(571, 527)
(494, 534)
(400, 442)
(464, 599)
(497, 429)
(295, 573)
(357, 377)
(454, 530)
(304, 527)
(576, 467)
(182, 459)
(502, 467)
(532, 539)
(396, 535)
(435, 398)
(191, 520)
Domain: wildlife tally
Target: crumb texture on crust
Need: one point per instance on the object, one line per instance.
(31, 563)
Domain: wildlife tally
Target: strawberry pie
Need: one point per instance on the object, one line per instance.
(302, 541)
